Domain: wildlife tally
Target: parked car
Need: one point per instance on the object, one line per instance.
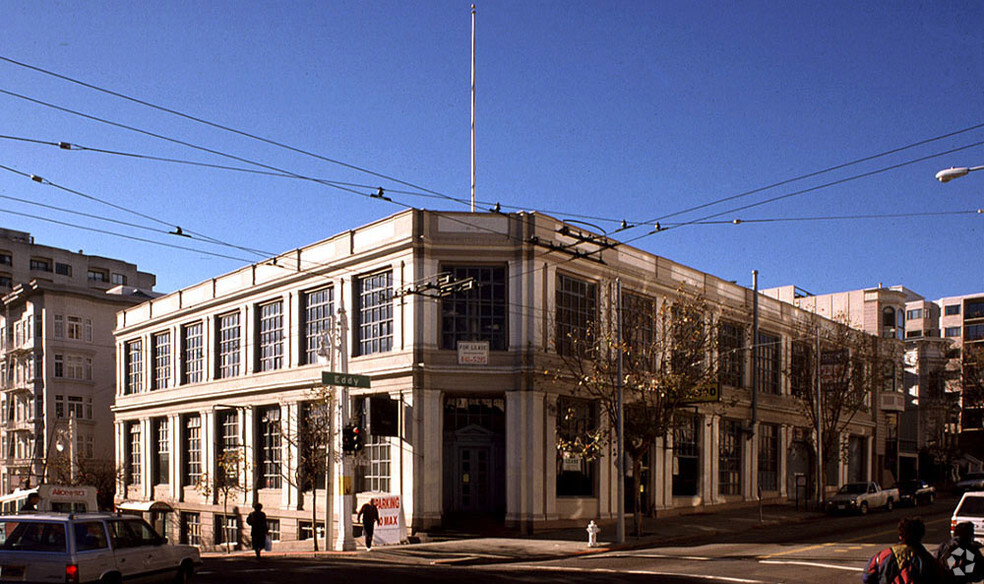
(970, 508)
(860, 497)
(916, 492)
(89, 547)
(972, 481)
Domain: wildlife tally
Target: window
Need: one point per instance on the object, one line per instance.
(974, 332)
(271, 336)
(477, 314)
(75, 407)
(319, 308)
(269, 450)
(729, 457)
(40, 264)
(731, 343)
(686, 456)
(226, 529)
(913, 334)
(162, 453)
(951, 309)
(800, 369)
(576, 421)
(314, 422)
(576, 314)
(59, 326)
(375, 476)
(76, 367)
(974, 310)
(273, 527)
(193, 450)
(915, 314)
(134, 367)
(305, 532)
(952, 331)
(375, 313)
(63, 269)
(118, 279)
(162, 360)
(97, 275)
(228, 446)
(768, 457)
(59, 407)
(75, 328)
(228, 362)
(134, 467)
(191, 528)
(6, 281)
(639, 316)
(767, 361)
(191, 353)
(59, 366)
(888, 317)
(6, 259)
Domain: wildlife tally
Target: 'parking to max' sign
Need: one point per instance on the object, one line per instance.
(346, 379)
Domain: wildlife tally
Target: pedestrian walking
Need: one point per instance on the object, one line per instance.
(258, 528)
(961, 558)
(907, 562)
(369, 515)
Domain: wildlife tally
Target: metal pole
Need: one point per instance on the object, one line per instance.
(819, 416)
(473, 110)
(620, 462)
(330, 444)
(755, 334)
(344, 540)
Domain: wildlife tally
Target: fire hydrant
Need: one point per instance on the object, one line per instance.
(593, 531)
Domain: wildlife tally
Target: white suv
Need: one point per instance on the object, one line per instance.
(89, 547)
(971, 509)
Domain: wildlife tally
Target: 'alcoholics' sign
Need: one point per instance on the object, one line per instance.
(346, 379)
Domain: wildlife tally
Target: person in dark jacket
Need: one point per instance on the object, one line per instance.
(258, 528)
(369, 515)
(907, 562)
(961, 558)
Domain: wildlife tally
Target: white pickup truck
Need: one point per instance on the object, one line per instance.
(861, 497)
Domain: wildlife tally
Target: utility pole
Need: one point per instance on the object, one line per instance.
(343, 487)
(819, 416)
(620, 429)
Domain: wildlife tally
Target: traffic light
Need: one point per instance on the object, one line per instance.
(352, 439)
(347, 439)
(357, 444)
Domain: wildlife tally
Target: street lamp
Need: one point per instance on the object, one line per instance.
(948, 174)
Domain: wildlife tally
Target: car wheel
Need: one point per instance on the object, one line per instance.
(864, 508)
(889, 505)
(111, 579)
(183, 575)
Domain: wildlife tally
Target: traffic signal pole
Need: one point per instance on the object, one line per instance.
(343, 486)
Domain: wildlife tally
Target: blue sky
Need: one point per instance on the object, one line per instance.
(610, 110)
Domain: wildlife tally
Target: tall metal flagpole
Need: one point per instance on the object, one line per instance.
(473, 111)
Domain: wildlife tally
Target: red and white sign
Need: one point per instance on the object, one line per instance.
(392, 526)
(473, 352)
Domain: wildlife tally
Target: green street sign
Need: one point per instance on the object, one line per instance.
(346, 379)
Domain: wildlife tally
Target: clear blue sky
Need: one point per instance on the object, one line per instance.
(617, 110)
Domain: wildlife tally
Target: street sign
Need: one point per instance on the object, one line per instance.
(346, 379)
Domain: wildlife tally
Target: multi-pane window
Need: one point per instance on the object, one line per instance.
(951, 331)
(768, 457)
(975, 309)
(914, 314)
(192, 353)
(800, 369)
(96, 275)
(314, 423)
(162, 452)
(577, 302)
(134, 367)
(228, 362)
(41, 264)
(191, 528)
(271, 336)
(375, 476)
(767, 363)
(59, 366)
(228, 446)
(731, 353)
(59, 326)
(639, 316)
(6, 259)
(75, 328)
(134, 457)
(192, 450)
(118, 279)
(477, 314)
(269, 450)
(162, 361)
(576, 421)
(226, 529)
(951, 309)
(76, 407)
(63, 269)
(375, 313)
(729, 457)
(319, 306)
(273, 529)
(686, 456)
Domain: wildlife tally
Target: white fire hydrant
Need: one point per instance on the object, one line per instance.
(593, 531)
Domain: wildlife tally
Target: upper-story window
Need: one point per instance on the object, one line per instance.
(63, 269)
(98, 275)
(975, 310)
(952, 331)
(271, 336)
(6, 258)
(133, 454)
(162, 360)
(134, 367)
(6, 281)
(118, 278)
(478, 314)
(375, 298)
(319, 306)
(577, 302)
(914, 314)
(228, 361)
(192, 353)
(268, 455)
(951, 309)
(75, 328)
(767, 356)
(41, 264)
(731, 351)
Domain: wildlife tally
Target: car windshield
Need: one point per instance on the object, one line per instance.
(40, 536)
(853, 489)
(971, 507)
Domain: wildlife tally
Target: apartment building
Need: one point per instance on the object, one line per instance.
(57, 356)
(961, 321)
(232, 365)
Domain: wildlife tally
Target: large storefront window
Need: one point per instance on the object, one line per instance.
(577, 420)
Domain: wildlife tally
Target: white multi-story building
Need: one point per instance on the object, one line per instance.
(57, 355)
(232, 364)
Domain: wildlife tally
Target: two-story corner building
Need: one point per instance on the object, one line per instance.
(233, 363)
(57, 355)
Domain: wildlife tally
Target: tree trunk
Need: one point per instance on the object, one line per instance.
(637, 496)
(314, 516)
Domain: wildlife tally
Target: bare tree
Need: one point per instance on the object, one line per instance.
(311, 441)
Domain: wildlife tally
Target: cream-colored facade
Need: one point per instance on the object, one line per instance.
(57, 356)
(232, 361)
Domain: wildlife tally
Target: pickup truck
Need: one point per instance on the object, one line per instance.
(861, 497)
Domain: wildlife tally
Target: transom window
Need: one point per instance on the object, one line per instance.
(271, 336)
(192, 353)
(228, 362)
(478, 314)
(376, 313)
(319, 306)
(577, 302)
